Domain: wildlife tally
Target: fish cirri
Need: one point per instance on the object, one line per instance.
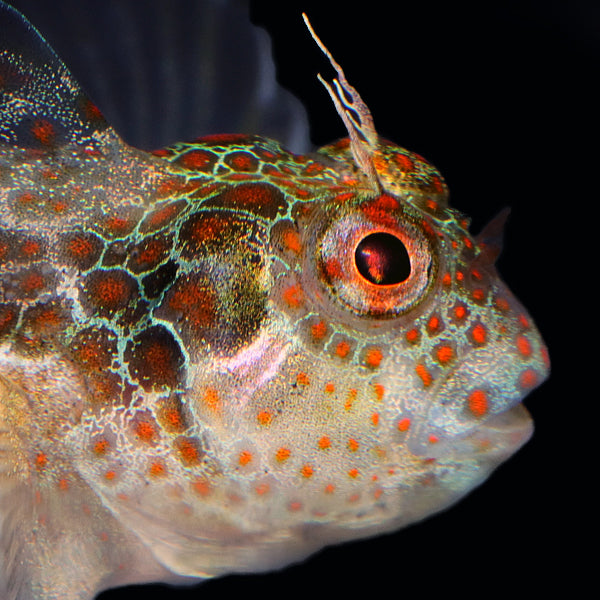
(221, 356)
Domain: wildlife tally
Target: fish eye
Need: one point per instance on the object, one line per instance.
(382, 259)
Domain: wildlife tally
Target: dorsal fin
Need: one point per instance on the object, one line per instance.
(354, 112)
(41, 105)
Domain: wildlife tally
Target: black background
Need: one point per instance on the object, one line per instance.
(501, 97)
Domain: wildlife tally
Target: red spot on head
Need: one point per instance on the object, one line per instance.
(524, 346)
(403, 162)
(242, 161)
(478, 334)
(373, 357)
(381, 210)
(424, 374)
(404, 424)
(44, 132)
(528, 379)
(197, 160)
(413, 336)
(478, 403)
(189, 450)
(293, 296)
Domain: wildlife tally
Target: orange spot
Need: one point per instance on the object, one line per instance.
(528, 379)
(307, 471)
(433, 325)
(145, 431)
(433, 439)
(101, 446)
(188, 451)
(342, 349)
(319, 330)
(292, 241)
(302, 379)
(476, 274)
(245, 457)
(63, 484)
(378, 493)
(330, 388)
(459, 274)
(478, 403)
(412, 336)
(375, 419)
(264, 417)
(478, 295)
(444, 354)
(479, 334)
(502, 304)
(30, 248)
(350, 398)
(379, 391)
(41, 460)
(282, 454)
(157, 469)
(43, 131)
(524, 321)
(353, 473)
(374, 357)
(424, 374)
(329, 488)
(324, 442)
(201, 487)
(404, 424)
(352, 445)
(523, 346)
(110, 475)
(293, 296)
(262, 488)
(211, 399)
(460, 312)
(295, 506)
(447, 279)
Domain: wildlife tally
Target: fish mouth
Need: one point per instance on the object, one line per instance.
(500, 436)
(509, 430)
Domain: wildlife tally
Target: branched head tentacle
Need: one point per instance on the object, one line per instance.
(354, 113)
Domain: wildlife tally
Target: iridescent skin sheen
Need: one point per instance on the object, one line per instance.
(210, 360)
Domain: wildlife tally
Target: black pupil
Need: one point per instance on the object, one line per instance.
(382, 259)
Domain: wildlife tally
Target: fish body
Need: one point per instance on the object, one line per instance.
(222, 356)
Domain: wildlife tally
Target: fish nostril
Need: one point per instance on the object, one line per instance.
(382, 259)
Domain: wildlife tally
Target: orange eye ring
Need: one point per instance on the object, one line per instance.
(376, 267)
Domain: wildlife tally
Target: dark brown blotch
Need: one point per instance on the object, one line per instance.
(81, 249)
(108, 291)
(94, 348)
(155, 359)
(149, 253)
(158, 281)
(9, 315)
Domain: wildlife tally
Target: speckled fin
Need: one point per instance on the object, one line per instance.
(41, 106)
(353, 111)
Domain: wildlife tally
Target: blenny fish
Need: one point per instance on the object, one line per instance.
(223, 356)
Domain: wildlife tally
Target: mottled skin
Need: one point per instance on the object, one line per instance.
(197, 373)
